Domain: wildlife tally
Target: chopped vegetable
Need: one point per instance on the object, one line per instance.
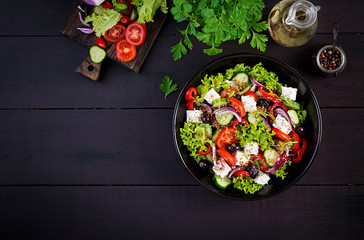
(93, 2)
(147, 9)
(167, 86)
(97, 54)
(101, 23)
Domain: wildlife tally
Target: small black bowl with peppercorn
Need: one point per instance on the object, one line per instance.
(329, 61)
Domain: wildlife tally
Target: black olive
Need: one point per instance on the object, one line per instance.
(233, 148)
(206, 117)
(300, 130)
(254, 171)
(204, 164)
(263, 103)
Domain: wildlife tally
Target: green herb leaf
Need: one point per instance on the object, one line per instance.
(167, 87)
(178, 50)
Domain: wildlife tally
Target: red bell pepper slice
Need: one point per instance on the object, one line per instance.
(189, 105)
(100, 42)
(191, 94)
(271, 96)
(299, 153)
(227, 157)
(271, 109)
(295, 138)
(281, 135)
(209, 149)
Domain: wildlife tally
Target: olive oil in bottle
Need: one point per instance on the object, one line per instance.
(293, 23)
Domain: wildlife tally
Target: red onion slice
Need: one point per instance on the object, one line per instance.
(79, 7)
(282, 159)
(231, 110)
(86, 30)
(265, 121)
(83, 21)
(208, 108)
(255, 81)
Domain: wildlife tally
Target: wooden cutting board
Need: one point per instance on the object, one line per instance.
(69, 29)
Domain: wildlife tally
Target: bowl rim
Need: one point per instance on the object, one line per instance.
(242, 55)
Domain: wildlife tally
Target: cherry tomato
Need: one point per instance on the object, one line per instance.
(125, 52)
(107, 5)
(235, 121)
(251, 93)
(189, 105)
(295, 138)
(226, 137)
(239, 106)
(100, 42)
(242, 173)
(260, 159)
(227, 157)
(115, 33)
(135, 34)
(226, 93)
(191, 94)
(281, 135)
(209, 149)
(125, 20)
(299, 153)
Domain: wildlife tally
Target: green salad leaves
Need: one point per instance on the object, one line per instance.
(147, 9)
(216, 21)
(101, 23)
(246, 184)
(256, 132)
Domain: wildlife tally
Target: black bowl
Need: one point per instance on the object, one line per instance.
(313, 125)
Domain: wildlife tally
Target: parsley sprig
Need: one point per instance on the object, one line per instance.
(216, 21)
(167, 86)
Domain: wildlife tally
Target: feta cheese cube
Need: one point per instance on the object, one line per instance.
(262, 178)
(251, 148)
(221, 168)
(249, 103)
(211, 95)
(289, 93)
(241, 158)
(194, 116)
(282, 124)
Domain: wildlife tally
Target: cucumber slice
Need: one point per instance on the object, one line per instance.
(217, 103)
(216, 134)
(221, 182)
(97, 54)
(253, 118)
(207, 129)
(209, 157)
(224, 119)
(241, 78)
(133, 14)
(270, 157)
(121, 7)
(293, 105)
(294, 117)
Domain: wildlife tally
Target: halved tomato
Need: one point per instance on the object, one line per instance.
(239, 106)
(226, 137)
(125, 51)
(135, 34)
(226, 93)
(115, 33)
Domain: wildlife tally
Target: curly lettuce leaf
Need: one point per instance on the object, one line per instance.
(266, 78)
(192, 142)
(147, 8)
(281, 172)
(246, 184)
(217, 82)
(230, 73)
(101, 23)
(256, 132)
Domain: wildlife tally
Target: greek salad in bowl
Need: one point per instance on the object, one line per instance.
(244, 126)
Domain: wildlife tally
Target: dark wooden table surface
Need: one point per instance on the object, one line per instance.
(96, 160)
